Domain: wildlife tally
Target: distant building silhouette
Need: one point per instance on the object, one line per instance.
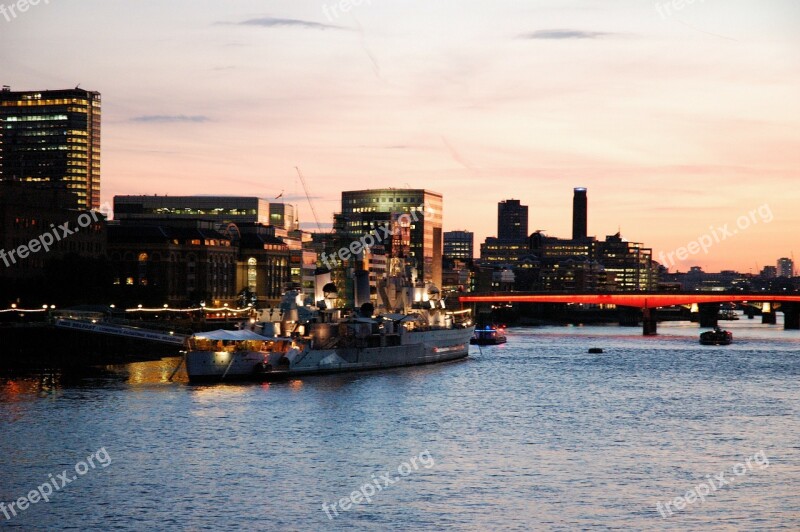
(582, 263)
(580, 215)
(512, 221)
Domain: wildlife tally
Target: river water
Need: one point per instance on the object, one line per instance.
(536, 434)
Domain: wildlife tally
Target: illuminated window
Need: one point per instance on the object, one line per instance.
(252, 274)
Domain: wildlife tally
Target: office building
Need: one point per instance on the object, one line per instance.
(499, 252)
(223, 209)
(629, 265)
(52, 136)
(270, 254)
(180, 262)
(512, 221)
(785, 267)
(459, 245)
(283, 215)
(511, 243)
(420, 243)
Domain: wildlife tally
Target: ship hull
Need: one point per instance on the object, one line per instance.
(419, 348)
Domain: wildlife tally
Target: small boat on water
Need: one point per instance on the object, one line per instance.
(716, 337)
(489, 336)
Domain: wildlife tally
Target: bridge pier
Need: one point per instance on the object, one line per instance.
(694, 313)
(791, 316)
(649, 322)
(768, 315)
(709, 314)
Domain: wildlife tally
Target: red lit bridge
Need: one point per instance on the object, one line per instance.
(708, 303)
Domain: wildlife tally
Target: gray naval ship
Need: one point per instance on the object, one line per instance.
(412, 327)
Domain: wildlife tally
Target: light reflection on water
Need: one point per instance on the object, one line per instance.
(534, 434)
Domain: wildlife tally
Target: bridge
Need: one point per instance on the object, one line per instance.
(708, 303)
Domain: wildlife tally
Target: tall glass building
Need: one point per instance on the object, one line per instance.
(363, 210)
(52, 136)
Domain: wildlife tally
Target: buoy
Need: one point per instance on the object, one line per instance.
(595, 350)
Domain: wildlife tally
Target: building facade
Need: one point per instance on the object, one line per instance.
(365, 210)
(37, 211)
(223, 209)
(283, 215)
(459, 245)
(185, 263)
(785, 267)
(268, 258)
(52, 136)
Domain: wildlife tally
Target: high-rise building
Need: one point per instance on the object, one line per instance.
(52, 136)
(364, 210)
(512, 221)
(511, 243)
(459, 245)
(785, 267)
(580, 215)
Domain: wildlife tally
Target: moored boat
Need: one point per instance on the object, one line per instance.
(716, 337)
(489, 335)
(354, 344)
(412, 328)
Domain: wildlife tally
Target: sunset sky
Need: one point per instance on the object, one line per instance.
(675, 119)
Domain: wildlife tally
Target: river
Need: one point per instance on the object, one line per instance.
(536, 434)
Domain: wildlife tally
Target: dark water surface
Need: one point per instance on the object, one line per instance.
(533, 435)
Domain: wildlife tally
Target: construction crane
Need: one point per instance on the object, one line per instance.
(308, 196)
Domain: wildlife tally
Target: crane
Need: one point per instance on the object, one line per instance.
(308, 196)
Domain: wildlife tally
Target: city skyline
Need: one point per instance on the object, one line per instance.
(688, 119)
